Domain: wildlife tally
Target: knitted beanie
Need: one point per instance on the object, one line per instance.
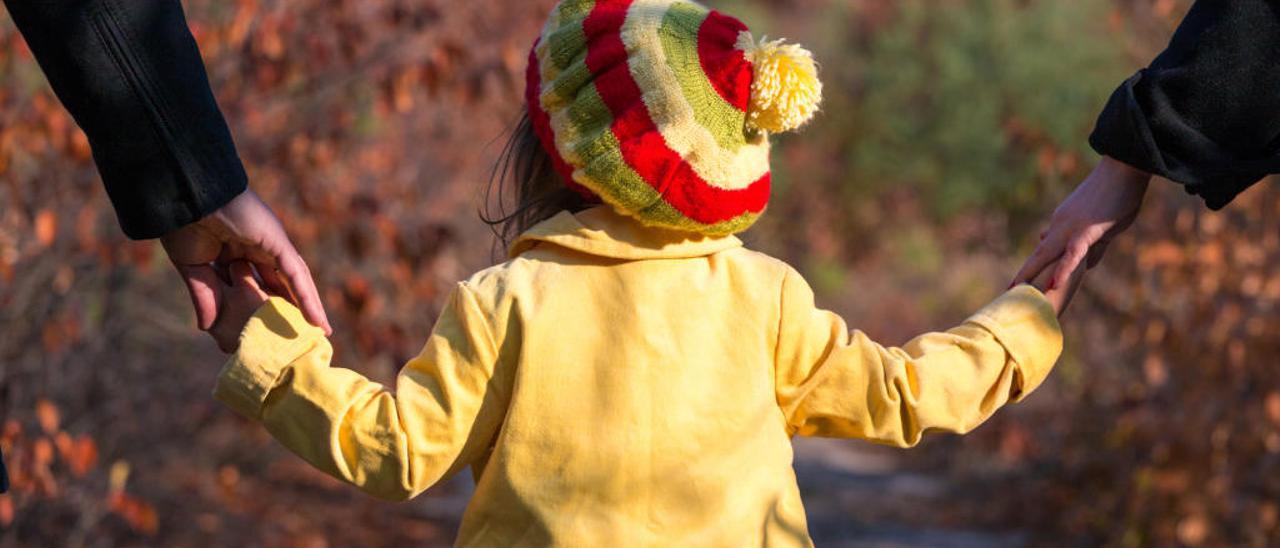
(663, 108)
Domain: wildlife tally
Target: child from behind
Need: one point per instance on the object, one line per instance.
(632, 375)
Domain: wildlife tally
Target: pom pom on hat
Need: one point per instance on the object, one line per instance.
(785, 89)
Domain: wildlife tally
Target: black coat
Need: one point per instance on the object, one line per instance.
(1206, 113)
(131, 76)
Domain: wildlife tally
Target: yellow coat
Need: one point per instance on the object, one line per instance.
(615, 385)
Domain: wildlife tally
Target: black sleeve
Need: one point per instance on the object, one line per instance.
(1206, 113)
(131, 75)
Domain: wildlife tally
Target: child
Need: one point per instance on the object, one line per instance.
(632, 375)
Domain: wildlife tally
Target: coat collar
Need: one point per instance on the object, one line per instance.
(601, 231)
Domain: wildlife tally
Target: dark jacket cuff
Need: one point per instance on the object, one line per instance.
(1123, 133)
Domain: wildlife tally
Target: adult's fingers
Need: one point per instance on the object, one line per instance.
(273, 282)
(304, 288)
(1075, 254)
(1048, 251)
(205, 289)
(248, 221)
(1096, 252)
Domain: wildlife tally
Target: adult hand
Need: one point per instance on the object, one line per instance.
(1104, 205)
(243, 230)
(1060, 296)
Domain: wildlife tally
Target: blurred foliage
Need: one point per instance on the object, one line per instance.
(950, 131)
(976, 104)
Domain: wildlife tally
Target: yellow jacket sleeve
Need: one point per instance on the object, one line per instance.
(447, 404)
(831, 382)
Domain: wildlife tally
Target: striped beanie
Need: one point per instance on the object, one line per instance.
(662, 109)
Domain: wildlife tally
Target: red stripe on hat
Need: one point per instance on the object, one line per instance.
(542, 123)
(725, 65)
(643, 147)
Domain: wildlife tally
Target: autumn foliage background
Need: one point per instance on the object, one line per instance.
(951, 130)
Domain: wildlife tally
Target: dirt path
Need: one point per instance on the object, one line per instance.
(857, 495)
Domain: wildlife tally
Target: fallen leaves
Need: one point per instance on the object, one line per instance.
(6, 510)
(46, 227)
(47, 416)
(140, 515)
(80, 453)
(36, 463)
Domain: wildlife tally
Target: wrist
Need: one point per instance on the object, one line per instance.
(1116, 171)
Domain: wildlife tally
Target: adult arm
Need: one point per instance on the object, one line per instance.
(130, 74)
(1205, 114)
(1083, 225)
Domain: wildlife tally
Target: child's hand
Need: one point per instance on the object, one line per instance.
(1060, 297)
(240, 301)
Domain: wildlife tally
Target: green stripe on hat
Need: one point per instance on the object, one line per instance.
(567, 84)
(568, 43)
(603, 158)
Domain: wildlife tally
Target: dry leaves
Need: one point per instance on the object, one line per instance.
(47, 416)
(367, 126)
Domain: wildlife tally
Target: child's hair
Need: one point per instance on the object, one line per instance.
(524, 175)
